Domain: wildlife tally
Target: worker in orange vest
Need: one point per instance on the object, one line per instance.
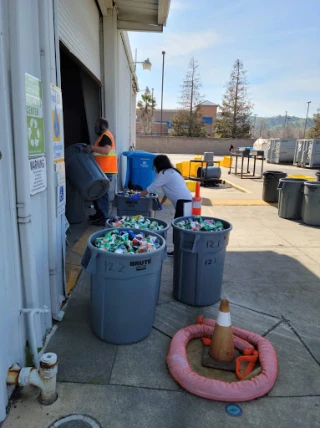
(104, 151)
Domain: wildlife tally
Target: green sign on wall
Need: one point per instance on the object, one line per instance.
(34, 115)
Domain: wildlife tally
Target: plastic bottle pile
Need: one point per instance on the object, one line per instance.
(136, 222)
(122, 242)
(127, 193)
(199, 224)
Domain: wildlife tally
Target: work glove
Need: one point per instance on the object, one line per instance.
(135, 197)
(87, 148)
(160, 207)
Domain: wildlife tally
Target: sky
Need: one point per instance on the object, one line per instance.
(278, 42)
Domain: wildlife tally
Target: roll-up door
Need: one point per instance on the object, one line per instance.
(79, 31)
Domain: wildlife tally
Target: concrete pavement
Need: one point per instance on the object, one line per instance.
(272, 279)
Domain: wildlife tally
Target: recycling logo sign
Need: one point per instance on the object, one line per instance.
(34, 115)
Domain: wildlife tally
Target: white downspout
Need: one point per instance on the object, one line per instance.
(32, 331)
(20, 139)
(48, 76)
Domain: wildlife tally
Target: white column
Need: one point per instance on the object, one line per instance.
(110, 61)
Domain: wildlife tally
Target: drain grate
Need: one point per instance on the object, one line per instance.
(76, 421)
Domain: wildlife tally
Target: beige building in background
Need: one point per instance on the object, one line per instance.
(207, 109)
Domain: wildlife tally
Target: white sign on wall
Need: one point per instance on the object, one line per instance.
(57, 131)
(38, 175)
(60, 188)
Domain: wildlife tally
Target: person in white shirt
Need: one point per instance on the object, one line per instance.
(172, 184)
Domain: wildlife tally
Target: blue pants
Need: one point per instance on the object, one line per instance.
(102, 205)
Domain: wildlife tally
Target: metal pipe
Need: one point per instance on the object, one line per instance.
(48, 67)
(17, 60)
(32, 330)
(163, 54)
(44, 378)
(305, 125)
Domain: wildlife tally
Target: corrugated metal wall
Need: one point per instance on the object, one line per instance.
(79, 31)
(11, 328)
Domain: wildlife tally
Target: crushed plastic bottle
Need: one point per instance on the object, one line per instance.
(136, 222)
(122, 242)
(199, 224)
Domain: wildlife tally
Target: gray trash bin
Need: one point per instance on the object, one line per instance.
(84, 173)
(290, 198)
(75, 206)
(163, 232)
(311, 203)
(143, 206)
(198, 264)
(124, 290)
(270, 185)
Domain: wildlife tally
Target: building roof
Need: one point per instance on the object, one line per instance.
(207, 103)
(133, 15)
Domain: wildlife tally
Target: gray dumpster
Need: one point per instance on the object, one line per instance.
(290, 198)
(124, 290)
(311, 203)
(84, 173)
(199, 263)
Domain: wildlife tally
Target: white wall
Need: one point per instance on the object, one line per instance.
(12, 337)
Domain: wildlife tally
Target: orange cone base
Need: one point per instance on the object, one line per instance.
(211, 363)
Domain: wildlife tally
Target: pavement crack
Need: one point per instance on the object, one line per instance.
(113, 363)
(253, 310)
(165, 334)
(303, 343)
(272, 328)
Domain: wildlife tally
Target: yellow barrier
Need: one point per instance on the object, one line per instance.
(303, 177)
(183, 168)
(197, 157)
(194, 168)
(191, 185)
(227, 162)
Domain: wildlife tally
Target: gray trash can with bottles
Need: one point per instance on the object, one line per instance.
(124, 290)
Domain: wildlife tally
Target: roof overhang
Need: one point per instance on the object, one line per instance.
(139, 15)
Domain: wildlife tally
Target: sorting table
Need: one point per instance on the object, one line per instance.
(242, 154)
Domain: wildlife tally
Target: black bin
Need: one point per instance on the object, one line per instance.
(270, 185)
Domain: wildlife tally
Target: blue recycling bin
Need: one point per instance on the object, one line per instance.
(140, 171)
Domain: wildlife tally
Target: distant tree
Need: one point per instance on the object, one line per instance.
(235, 111)
(188, 119)
(314, 131)
(145, 106)
(182, 123)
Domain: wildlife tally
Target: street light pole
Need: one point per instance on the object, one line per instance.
(152, 110)
(163, 54)
(305, 125)
(254, 124)
(285, 120)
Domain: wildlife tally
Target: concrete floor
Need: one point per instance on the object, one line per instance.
(272, 280)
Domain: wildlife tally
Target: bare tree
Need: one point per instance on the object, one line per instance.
(236, 107)
(188, 120)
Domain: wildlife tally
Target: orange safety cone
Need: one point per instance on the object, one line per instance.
(197, 201)
(222, 347)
